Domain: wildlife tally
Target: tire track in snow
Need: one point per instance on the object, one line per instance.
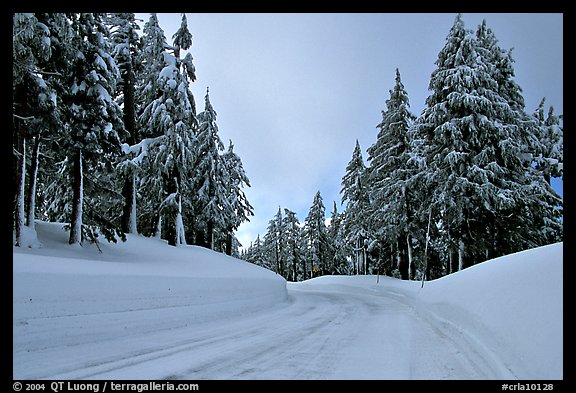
(322, 332)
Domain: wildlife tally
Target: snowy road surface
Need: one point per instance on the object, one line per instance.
(329, 331)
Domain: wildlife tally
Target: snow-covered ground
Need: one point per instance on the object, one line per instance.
(145, 310)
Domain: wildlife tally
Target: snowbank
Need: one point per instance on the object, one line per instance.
(54, 279)
(513, 305)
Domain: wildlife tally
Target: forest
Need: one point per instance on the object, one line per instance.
(466, 181)
(107, 137)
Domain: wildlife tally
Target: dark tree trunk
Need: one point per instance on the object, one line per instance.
(129, 112)
(229, 237)
(453, 260)
(402, 258)
(128, 192)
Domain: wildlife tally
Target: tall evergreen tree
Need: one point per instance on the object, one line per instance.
(391, 178)
(211, 203)
(317, 247)
(274, 243)
(126, 53)
(34, 108)
(240, 208)
(338, 248)
(90, 139)
(474, 150)
(169, 122)
(292, 236)
(355, 221)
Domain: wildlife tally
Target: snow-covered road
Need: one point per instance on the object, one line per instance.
(328, 331)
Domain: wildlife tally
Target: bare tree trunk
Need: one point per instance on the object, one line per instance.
(76, 223)
(20, 183)
(31, 196)
(210, 231)
(410, 262)
(461, 254)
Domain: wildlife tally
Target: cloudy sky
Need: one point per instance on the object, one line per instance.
(295, 91)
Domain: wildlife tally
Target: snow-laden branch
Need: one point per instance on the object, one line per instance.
(140, 149)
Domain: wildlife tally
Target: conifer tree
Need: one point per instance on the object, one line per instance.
(338, 248)
(390, 176)
(316, 239)
(292, 236)
(126, 53)
(210, 174)
(355, 221)
(240, 208)
(90, 138)
(33, 106)
(169, 122)
(274, 244)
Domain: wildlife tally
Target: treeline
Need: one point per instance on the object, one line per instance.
(466, 181)
(106, 135)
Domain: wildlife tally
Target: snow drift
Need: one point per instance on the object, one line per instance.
(511, 306)
(52, 280)
(143, 309)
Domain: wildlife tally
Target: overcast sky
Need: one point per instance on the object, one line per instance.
(295, 91)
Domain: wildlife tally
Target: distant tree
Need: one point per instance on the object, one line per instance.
(355, 218)
(338, 248)
(274, 244)
(316, 238)
(292, 236)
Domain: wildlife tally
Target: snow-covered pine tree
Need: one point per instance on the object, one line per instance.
(549, 151)
(210, 177)
(538, 202)
(355, 217)
(126, 53)
(90, 136)
(292, 237)
(390, 179)
(316, 238)
(240, 207)
(33, 107)
(338, 248)
(471, 147)
(274, 244)
(544, 207)
(256, 254)
(168, 123)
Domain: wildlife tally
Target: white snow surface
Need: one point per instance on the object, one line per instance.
(145, 310)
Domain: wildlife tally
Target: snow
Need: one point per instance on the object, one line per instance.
(145, 310)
